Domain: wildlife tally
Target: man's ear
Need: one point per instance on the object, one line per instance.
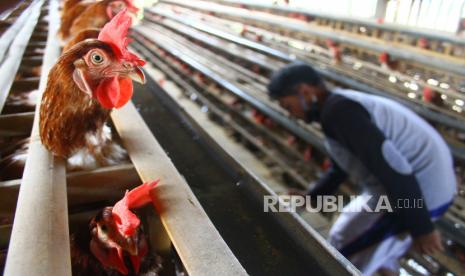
(79, 77)
(81, 81)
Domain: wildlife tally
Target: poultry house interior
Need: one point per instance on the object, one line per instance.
(231, 137)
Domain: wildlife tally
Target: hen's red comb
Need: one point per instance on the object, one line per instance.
(114, 33)
(126, 220)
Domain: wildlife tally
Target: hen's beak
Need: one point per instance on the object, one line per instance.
(136, 74)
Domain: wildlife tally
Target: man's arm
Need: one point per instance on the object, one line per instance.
(329, 182)
(349, 123)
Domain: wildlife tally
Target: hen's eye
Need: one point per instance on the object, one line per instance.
(97, 58)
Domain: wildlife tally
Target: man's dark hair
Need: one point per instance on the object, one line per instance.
(284, 81)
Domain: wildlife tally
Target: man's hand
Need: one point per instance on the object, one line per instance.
(428, 244)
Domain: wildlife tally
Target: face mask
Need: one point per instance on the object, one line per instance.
(311, 112)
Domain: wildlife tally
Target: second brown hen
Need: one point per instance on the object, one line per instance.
(115, 242)
(94, 15)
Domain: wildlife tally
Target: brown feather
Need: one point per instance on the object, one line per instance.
(68, 4)
(94, 16)
(66, 113)
(69, 16)
(81, 36)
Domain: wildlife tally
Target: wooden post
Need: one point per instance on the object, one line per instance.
(39, 242)
(9, 35)
(10, 65)
(198, 243)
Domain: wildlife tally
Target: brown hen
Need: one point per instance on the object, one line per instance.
(115, 243)
(69, 15)
(87, 81)
(96, 15)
